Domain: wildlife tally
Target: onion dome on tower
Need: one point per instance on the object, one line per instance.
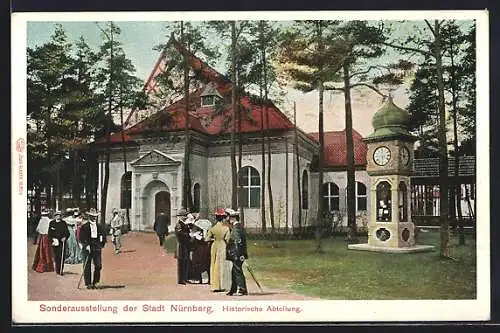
(390, 122)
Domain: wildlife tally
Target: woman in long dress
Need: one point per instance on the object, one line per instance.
(219, 234)
(74, 252)
(43, 257)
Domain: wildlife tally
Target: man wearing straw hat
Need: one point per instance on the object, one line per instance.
(93, 238)
(116, 230)
(58, 234)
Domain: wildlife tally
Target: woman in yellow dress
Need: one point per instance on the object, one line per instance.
(219, 235)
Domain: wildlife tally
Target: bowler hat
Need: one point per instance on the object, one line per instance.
(182, 212)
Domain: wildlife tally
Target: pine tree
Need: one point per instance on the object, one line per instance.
(310, 58)
(118, 86)
(432, 45)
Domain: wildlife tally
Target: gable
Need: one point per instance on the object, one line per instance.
(155, 158)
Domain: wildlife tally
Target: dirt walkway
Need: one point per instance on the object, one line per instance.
(143, 271)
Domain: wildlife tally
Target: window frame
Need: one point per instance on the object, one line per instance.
(123, 183)
(196, 208)
(305, 190)
(207, 105)
(361, 196)
(329, 196)
(248, 187)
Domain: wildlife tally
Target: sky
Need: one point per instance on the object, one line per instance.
(140, 37)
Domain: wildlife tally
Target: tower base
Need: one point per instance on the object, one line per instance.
(373, 248)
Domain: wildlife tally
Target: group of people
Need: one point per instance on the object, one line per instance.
(74, 239)
(219, 250)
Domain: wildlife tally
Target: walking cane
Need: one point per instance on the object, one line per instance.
(63, 257)
(83, 271)
(252, 274)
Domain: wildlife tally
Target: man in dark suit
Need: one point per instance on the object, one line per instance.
(183, 245)
(93, 238)
(160, 226)
(58, 234)
(237, 253)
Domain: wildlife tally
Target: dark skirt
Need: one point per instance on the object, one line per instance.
(43, 257)
(200, 260)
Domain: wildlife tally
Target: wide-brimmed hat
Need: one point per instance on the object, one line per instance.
(114, 210)
(45, 212)
(182, 212)
(58, 212)
(189, 219)
(232, 212)
(92, 212)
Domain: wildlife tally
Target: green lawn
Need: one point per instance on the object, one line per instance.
(339, 273)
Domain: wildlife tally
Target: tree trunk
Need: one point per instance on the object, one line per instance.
(319, 216)
(443, 148)
(124, 152)
(109, 121)
(58, 189)
(76, 188)
(269, 153)
(90, 178)
(187, 198)
(456, 202)
(286, 186)
(297, 163)
(234, 175)
(263, 165)
(352, 235)
(240, 160)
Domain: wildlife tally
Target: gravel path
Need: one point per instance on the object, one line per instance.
(143, 271)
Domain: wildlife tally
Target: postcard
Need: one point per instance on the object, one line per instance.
(223, 167)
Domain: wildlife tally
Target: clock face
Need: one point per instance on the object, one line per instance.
(405, 156)
(382, 155)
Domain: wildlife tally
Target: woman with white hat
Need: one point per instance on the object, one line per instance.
(74, 254)
(43, 256)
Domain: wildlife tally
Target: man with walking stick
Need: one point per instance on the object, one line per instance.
(93, 238)
(237, 253)
(58, 234)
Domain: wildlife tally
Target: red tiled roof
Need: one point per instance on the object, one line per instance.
(214, 124)
(207, 73)
(170, 119)
(335, 151)
(250, 118)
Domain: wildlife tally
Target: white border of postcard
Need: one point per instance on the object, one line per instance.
(24, 311)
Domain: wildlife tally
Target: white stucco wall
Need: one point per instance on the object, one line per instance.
(117, 170)
(219, 187)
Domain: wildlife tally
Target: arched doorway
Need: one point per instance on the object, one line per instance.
(162, 203)
(156, 197)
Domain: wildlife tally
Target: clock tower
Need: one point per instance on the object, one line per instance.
(389, 164)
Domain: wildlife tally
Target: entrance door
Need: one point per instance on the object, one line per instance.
(162, 203)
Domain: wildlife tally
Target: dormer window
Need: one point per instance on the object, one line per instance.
(210, 95)
(207, 101)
